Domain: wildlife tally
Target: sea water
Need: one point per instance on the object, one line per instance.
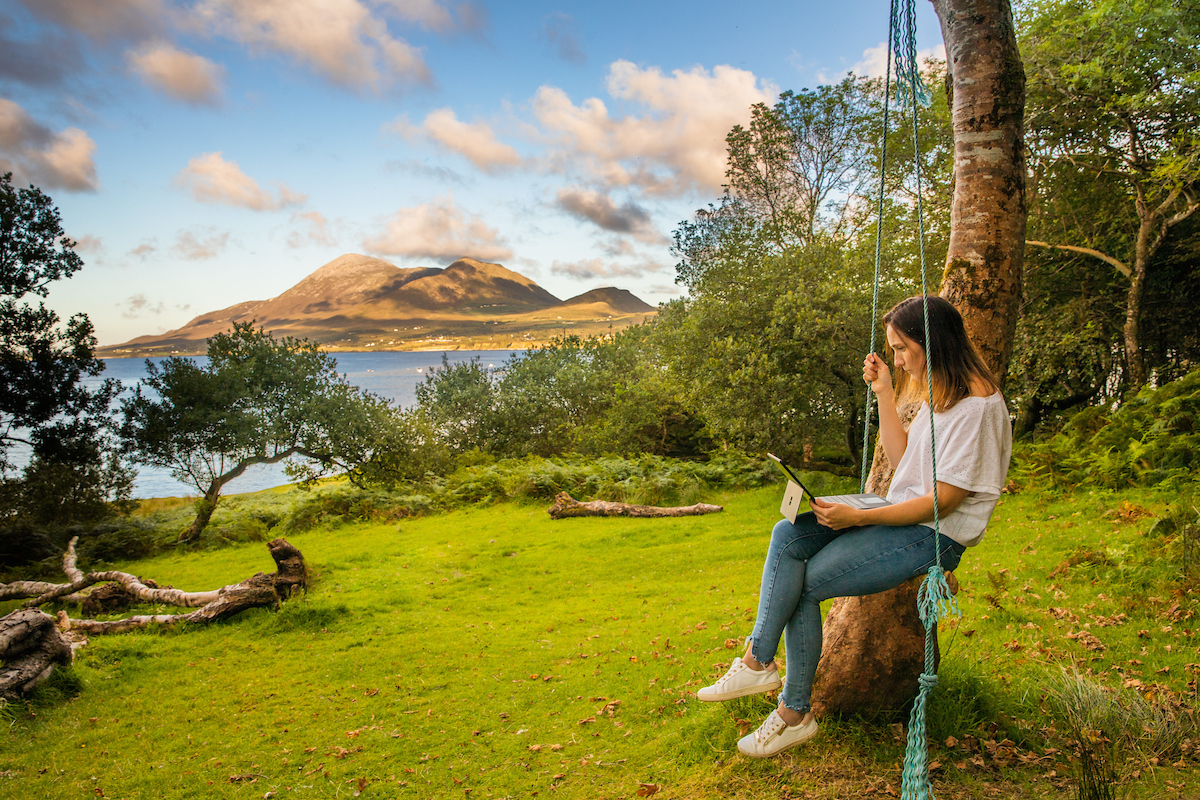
(391, 375)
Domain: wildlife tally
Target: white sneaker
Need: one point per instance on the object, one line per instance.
(775, 736)
(741, 681)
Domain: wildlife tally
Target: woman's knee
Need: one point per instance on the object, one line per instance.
(783, 532)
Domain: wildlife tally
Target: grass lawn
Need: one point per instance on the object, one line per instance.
(491, 652)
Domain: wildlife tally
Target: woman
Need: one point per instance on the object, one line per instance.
(837, 550)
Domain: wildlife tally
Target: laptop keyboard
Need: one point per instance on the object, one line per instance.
(856, 500)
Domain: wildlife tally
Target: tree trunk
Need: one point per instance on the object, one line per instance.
(30, 646)
(566, 506)
(205, 507)
(873, 646)
(983, 273)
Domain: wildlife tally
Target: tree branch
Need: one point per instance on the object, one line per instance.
(1087, 251)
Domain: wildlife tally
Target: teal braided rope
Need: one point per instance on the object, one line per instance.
(887, 92)
(934, 597)
(909, 85)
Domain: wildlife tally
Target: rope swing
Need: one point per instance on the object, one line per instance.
(934, 599)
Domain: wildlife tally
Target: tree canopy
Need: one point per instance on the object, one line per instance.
(1114, 112)
(51, 407)
(256, 401)
(42, 366)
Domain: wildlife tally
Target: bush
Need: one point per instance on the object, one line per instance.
(117, 540)
(647, 480)
(1153, 438)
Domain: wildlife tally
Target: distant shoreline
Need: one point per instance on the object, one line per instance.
(449, 348)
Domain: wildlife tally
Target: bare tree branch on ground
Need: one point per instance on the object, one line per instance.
(566, 506)
(32, 642)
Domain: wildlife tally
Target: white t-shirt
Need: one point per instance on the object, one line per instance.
(974, 445)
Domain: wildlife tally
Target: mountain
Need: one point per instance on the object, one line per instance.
(355, 302)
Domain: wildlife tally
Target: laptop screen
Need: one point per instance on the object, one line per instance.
(786, 470)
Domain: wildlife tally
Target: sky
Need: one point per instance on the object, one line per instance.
(211, 152)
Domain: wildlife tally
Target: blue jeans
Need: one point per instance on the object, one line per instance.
(807, 563)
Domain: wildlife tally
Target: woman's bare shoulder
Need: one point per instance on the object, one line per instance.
(982, 388)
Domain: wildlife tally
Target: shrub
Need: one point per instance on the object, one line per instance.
(1153, 438)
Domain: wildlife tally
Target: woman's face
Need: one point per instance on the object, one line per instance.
(906, 354)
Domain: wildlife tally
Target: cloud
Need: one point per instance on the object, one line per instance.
(110, 19)
(442, 175)
(194, 246)
(441, 231)
(559, 31)
(144, 250)
(433, 16)
(182, 75)
(89, 244)
(676, 146)
(341, 39)
(617, 246)
(601, 210)
(44, 61)
(317, 230)
(475, 141)
(591, 268)
(137, 305)
(873, 63)
(212, 179)
(37, 155)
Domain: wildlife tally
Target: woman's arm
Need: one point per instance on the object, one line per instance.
(891, 433)
(911, 512)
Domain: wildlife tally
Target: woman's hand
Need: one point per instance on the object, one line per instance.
(835, 515)
(876, 373)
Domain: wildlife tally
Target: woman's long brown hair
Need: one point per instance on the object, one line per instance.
(954, 361)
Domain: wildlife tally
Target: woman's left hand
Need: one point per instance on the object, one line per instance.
(835, 516)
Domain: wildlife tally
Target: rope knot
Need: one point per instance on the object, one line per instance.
(928, 681)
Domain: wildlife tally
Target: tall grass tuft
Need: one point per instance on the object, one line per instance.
(1109, 727)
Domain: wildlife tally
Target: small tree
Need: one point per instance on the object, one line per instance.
(257, 401)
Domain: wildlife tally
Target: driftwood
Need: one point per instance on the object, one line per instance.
(566, 506)
(32, 642)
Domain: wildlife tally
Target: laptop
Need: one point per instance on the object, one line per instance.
(796, 491)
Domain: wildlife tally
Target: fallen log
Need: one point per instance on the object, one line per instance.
(32, 642)
(30, 647)
(566, 506)
(135, 589)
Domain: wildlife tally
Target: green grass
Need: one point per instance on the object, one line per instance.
(493, 650)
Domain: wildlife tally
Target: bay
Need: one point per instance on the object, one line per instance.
(392, 375)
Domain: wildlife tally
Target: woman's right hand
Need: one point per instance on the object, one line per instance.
(877, 374)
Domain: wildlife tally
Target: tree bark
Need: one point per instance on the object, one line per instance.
(566, 506)
(31, 642)
(30, 647)
(872, 652)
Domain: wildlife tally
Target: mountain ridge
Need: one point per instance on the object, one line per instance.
(356, 302)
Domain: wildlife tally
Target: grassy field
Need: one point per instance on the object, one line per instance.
(491, 652)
